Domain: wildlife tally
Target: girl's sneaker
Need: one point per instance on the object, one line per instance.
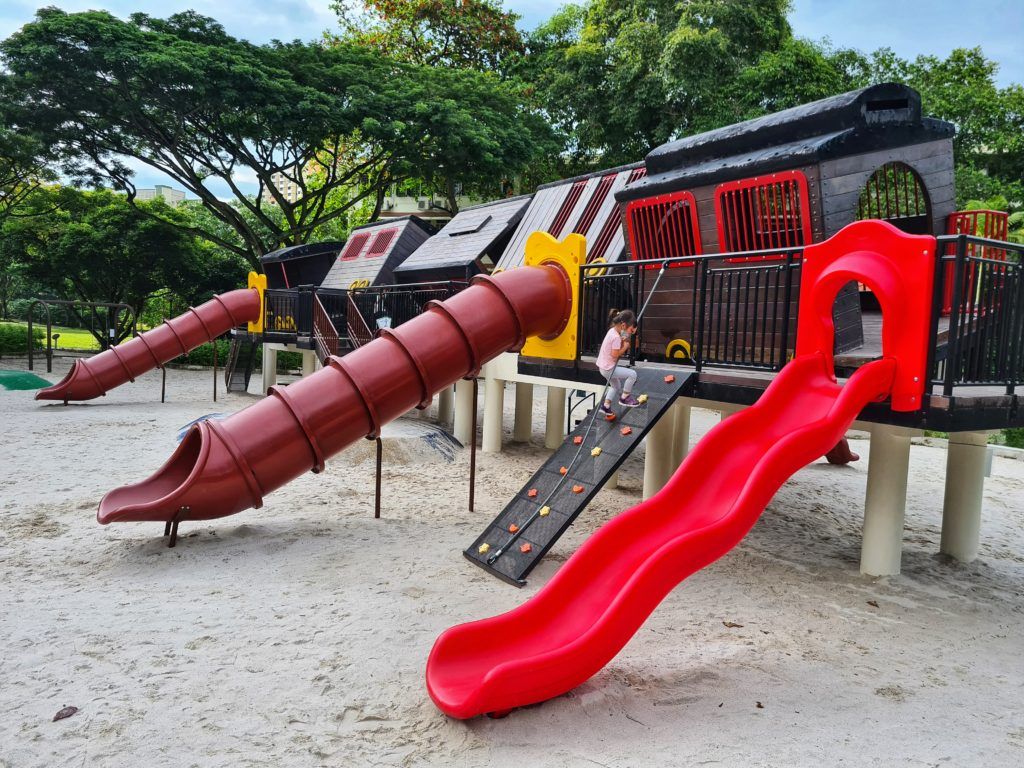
(606, 409)
(629, 401)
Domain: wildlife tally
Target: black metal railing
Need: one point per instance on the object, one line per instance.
(729, 310)
(388, 306)
(982, 341)
(281, 311)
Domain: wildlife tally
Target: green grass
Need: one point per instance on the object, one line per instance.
(70, 338)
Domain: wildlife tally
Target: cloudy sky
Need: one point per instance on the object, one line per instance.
(910, 27)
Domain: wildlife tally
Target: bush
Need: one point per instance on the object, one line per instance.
(1014, 437)
(203, 355)
(13, 339)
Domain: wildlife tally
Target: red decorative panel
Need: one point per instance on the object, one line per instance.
(381, 242)
(594, 204)
(612, 223)
(763, 212)
(662, 227)
(993, 225)
(354, 246)
(566, 208)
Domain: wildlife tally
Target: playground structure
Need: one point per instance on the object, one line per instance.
(109, 330)
(794, 295)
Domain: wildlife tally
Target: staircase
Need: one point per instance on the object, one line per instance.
(240, 364)
(524, 532)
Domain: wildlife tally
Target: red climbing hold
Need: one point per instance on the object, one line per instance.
(532, 493)
(578, 440)
(609, 417)
(669, 379)
(513, 528)
(577, 489)
(526, 548)
(563, 471)
(626, 431)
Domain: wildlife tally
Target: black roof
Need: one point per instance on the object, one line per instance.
(302, 251)
(877, 117)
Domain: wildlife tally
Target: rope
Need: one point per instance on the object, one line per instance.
(583, 443)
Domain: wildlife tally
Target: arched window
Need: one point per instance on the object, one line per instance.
(895, 193)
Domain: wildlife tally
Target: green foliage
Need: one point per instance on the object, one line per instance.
(1014, 437)
(14, 339)
(475, 34)
(183, 97)
(203, 356)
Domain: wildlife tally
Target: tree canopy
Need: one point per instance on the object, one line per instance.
(184, 98)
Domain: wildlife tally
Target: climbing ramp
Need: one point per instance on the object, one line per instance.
(522, 534)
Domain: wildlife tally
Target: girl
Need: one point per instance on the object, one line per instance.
(615, 345)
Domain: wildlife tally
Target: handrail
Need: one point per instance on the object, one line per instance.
(47, 303)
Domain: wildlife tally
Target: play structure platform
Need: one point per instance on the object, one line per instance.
(550, 502)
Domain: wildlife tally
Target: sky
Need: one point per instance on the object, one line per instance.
(909, 27)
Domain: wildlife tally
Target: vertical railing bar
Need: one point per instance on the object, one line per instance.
(953, 343)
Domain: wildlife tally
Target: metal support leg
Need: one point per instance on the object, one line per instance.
(472, 450)
(171, 527)
(522, 428)
(886, 501)
(961, 506)
(376, 496)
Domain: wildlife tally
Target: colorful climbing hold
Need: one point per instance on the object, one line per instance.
(642, 399)
(532, 493)
(669, 379)
(563, 470)
(609, 417)
(544, 511)
(526, 548)
(596, 451)
(626, 431)
(577, 489)
(578, 440)
(513, 528)
(484, 548)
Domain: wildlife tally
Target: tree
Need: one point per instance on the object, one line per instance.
(184, 98)
(476, 34)
(93, 246)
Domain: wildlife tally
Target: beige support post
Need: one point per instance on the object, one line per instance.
(965, 482)
(522, 428)
(446, 404)
(463, 411)
(308, 362)
(885, 502)
(613, 481)
(554, 428)
(494, 410)
(269, 367)
(680, 431)
(658, 457)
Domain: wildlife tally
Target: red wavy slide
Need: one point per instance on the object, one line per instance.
(601, 596)
(223, 467)
(100, 373)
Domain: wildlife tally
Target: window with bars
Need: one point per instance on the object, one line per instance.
(381, 242)
(762, 213)
(895, 193)
(354, 246)
(612, 223)
(662, 227)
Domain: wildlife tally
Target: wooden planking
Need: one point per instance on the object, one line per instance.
(908, 154)
(539, 216)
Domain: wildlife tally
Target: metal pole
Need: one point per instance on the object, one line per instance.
(163, 377)
(472, 449)
(30, 362)
(953, 333)
(376, 497)
(215, 370)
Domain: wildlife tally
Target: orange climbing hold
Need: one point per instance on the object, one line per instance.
(626, 431)
(563, 471)
(526, 548)
(577, 489)
(609, 417)
(578, 440)
(532, 493)
(513, 528)
(669, 379)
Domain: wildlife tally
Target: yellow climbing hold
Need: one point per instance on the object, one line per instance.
(545, 511)
(596, 451)
(484, 548)
(642, 399)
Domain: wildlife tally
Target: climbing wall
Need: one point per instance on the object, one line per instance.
(532, 522)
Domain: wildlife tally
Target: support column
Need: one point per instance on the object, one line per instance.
(308, 362)
(446, 404)
(554, 429)
(269, 367)
(885, 502)
(658, 458)
(522, 428)
(494, 410)
(965, 482)
(613, 481)
(463, 411)
(680, 431)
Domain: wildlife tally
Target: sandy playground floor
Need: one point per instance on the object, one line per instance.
(296, 635)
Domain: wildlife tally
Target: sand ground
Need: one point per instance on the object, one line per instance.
(296, 635)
